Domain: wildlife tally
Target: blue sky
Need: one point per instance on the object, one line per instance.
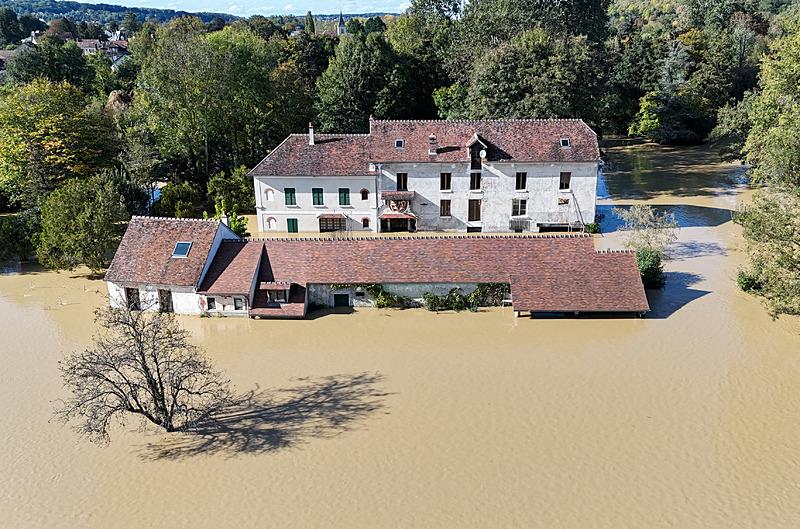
(269, 7)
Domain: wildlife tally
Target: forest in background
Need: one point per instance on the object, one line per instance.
(198, 102)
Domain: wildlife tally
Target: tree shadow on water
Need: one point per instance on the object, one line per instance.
(268, 420)
(675, 295)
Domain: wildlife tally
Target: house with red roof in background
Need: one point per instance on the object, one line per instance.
(194, 266)
(516, 175)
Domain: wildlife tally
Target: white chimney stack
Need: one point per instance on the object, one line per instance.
(311, 134)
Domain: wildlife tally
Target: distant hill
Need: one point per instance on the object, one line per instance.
(105, 13)
(102, 13)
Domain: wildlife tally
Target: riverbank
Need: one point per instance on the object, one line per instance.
(389, 418)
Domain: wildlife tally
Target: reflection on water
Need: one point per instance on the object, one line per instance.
(687, 216)
(638, 172)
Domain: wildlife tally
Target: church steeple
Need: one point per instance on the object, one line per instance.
(340, 27)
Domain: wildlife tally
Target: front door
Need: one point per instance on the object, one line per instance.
(341, 300)
(165, 300)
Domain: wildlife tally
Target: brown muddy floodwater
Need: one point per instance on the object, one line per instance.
(689, 418)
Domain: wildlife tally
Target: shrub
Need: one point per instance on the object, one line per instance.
(747, 282)
(649, 261)
(593, 227)
(383, 299)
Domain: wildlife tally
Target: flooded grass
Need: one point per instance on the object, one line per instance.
(688, 418)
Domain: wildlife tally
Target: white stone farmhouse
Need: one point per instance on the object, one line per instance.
(432, 175)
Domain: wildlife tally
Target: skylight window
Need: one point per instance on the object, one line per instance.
(181, 249)
(399, 143)
(565, 142)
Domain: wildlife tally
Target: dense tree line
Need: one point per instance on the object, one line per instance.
(199, 100)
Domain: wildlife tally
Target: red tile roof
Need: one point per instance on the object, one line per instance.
(574, 277)
(331, 155)
(145, 254)
(518, 140)
(233, 269)
(607, 282)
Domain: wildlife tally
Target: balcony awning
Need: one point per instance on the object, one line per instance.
(397, 215)
(331, 216)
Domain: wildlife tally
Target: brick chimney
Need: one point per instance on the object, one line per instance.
(311, 134)
(433, 145)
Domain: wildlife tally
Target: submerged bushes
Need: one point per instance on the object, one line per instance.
(486, 294)
(649, 261)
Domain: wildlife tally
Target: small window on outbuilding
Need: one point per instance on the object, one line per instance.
(238, 304)
(565, 142)
(181, 249)
(399, 143)
(212, 303)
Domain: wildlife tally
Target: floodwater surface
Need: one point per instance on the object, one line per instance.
(688, 418)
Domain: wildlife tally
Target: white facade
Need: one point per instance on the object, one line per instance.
(545, 203)
(181, 299)
(274, 212)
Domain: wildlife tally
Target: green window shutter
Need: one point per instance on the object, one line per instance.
(291, 197)
(291, 225)
(316, 196)
(344, 196)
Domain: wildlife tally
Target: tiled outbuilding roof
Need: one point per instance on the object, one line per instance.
(233, 269)
(331, 155)
(145, 254)
(606, 282)
(558, 273)
(513, 140)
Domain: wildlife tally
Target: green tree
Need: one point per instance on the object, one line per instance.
(536, 76)
(52, 59)
(361, 80)
(177, 200)
(81, 224)
(131, 22)
(48, 134)
(17, 234)
(10, 29)
(374, 25)
(771, 227)
(206, 98)
(771, 224)
(234, 188)
(230, 214)
(772, 146)
(310, 28)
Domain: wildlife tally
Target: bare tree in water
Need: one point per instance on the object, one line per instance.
(141, 364)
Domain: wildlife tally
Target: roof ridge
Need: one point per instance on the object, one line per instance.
(496, 120)
(429, 237)
(182, 219)
(612, 250)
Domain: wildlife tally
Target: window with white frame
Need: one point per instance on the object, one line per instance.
(519, 207)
